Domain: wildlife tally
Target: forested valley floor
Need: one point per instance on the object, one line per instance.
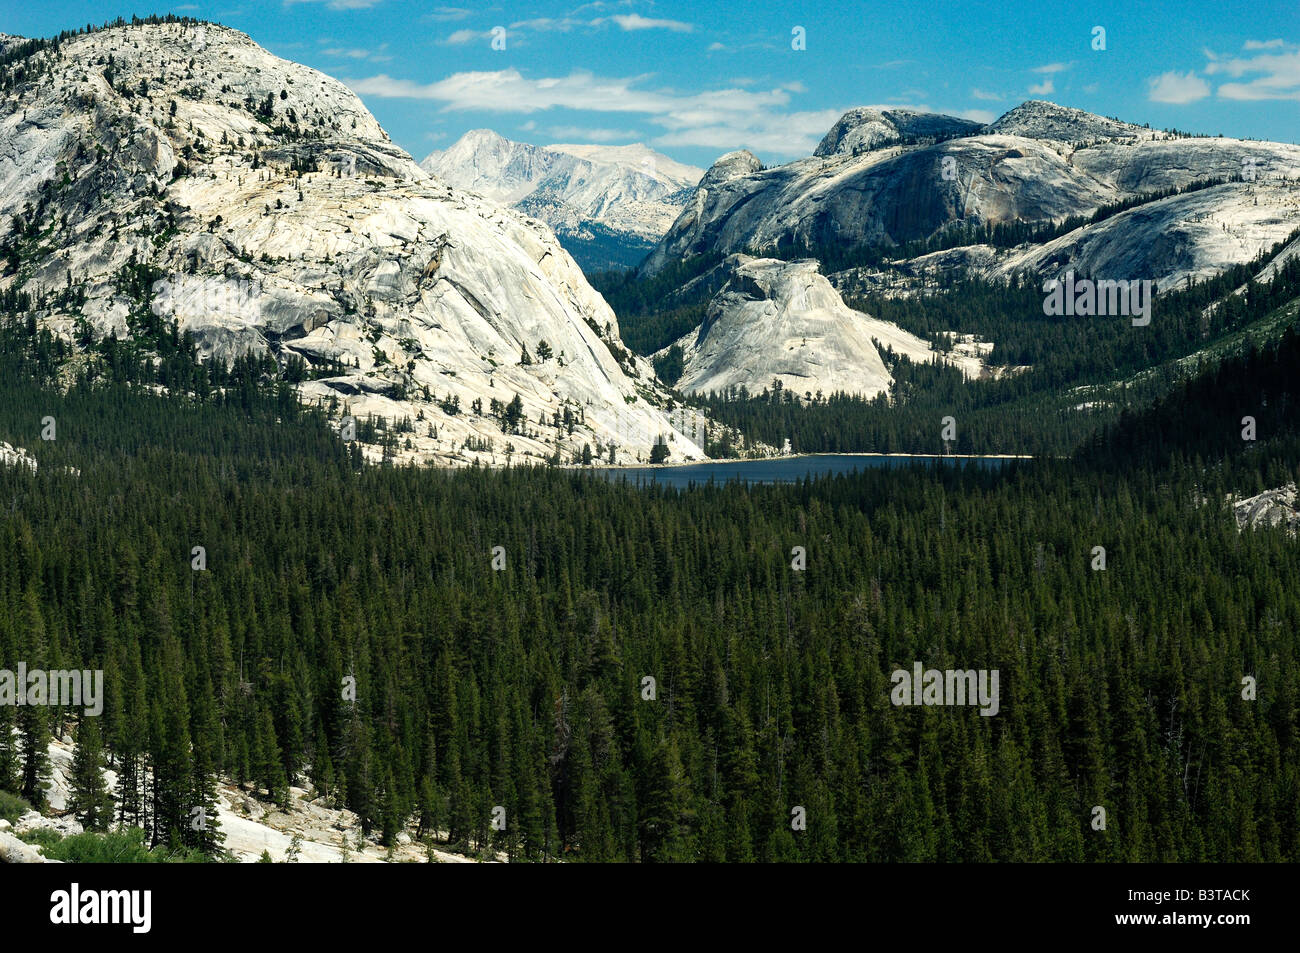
(524, 687)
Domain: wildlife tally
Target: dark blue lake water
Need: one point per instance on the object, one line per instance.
(779, 470)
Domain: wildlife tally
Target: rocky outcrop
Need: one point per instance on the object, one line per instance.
(308, 829)
(16, 457)
(862, 129)
(733, 165)
(15, 851)
(278, 218)
(1190, 236)
(1280, 507)
(782, 320)
(1170, 241)
(1043, 120)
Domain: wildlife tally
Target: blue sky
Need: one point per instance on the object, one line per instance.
(696, 79)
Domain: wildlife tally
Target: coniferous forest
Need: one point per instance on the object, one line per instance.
(523, 687)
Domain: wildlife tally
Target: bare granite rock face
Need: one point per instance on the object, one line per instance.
(1280, 507)
(308, 829)
(1036, 119)
(864, 128)
(782, 320)
(11, 456)
(889, 177)
(889, 194)
(1191, 236)
(274, 216)
(14, 851)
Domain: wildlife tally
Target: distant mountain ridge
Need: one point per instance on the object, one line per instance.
(607, 204)
(888, 177)
(900, 203)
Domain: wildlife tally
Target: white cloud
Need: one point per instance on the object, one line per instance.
(444, 14)
(509, 90)
(1255, 91)
(358, 53)
(788, 134)
(567, 24)
(624, 21)
(460, 37)
(984, 95)
(571, 134)
(634, 21)
(977, 115)
(1179, 88)
(1262, 45)
(339, 4)
(551, 24)
(1045, 88)
(1276, 74)
(1051, 68)
(720, 118)
(715, 46)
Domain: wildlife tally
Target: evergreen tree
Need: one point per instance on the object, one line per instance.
(90, 801)
(33, 717)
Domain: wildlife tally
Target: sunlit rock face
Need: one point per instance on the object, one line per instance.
(889, 177)
(783, 321)
(283, 221)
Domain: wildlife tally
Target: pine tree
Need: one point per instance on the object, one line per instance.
(204, 830)
(268, 766)
(170, 754)
(659, 451)
(9, 760)
(90, 800)
(131, 742)
(665, 836)
(33, 717)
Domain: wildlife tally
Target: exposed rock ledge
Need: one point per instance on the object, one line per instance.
(783, 320)
(1270, 508)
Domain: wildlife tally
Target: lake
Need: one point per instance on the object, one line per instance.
(780, 469)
